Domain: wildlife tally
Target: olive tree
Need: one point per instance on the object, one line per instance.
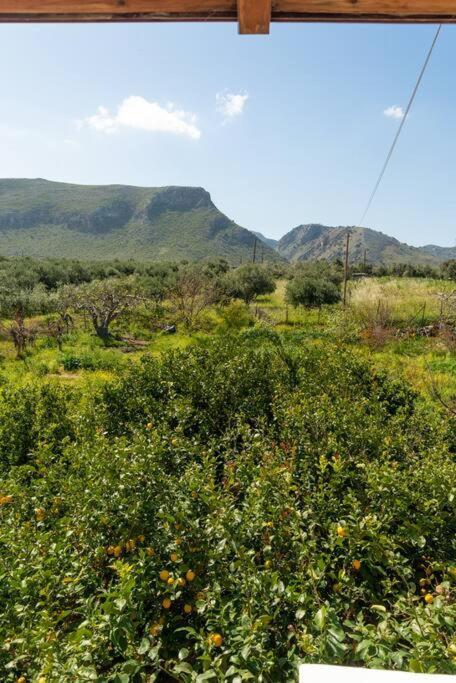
(190, 294)
(16, 304)
(311, 292)
(249, 281)
(106, 301)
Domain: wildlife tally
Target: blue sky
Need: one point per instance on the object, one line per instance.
(282, 130)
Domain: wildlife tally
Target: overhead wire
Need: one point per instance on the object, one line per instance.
(401, 126)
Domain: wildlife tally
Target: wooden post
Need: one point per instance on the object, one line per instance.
(364, 261)
(346, 269)
(254, 250)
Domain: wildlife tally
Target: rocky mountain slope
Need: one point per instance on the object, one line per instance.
(315, 241)
(42, 218)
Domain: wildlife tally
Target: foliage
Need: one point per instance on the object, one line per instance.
(224, 513)
(249, 281)
(311, 292)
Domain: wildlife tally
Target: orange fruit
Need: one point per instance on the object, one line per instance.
(150, 551)
(181, 583)
(216, 639)
(170, 581)
(154, 629)
(429, 598)
(164, 575)
(190, 575)
(166, 603)
(141, 538)
(117, 550)
(356, 564)
(187, 608)
(174, 557)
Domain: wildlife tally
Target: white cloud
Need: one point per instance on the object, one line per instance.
(394, 112)
(136, 112)
(230, 104)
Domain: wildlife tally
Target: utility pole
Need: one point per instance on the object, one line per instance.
(347, 242)
(254, 250)
(262, 253)
(364, 261)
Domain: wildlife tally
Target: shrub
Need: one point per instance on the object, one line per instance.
(299, 501)
(311, 292)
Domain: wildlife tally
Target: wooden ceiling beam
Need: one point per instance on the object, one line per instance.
(254, 16)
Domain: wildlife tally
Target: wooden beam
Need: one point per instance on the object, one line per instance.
(254, 16)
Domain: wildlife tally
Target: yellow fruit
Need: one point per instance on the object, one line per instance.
(267, 564)
(166, 603)
(356, 564)
(216, 639)
(21, 679)
(174, 557)
(187, 608)
(181, 583)
(174, 442)
(341, 532)
(110, 550)
(6, 499)
(190, 575)
(429, 598)
(154, 629)
(149, 425)
(141, 538)
(117, 550)
(40, 514)
(150, 551)
(170, 581)
(164, 575)
(42, 679)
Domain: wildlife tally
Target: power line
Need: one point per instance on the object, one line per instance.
(399, 130)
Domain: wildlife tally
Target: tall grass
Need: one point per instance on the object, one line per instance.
(388, 301)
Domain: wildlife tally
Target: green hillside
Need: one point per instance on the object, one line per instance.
(47, 219)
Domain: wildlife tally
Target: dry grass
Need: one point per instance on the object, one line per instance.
(387, 301)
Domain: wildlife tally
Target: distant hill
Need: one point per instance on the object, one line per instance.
(315, 241)
(48, 219)
(266, 240)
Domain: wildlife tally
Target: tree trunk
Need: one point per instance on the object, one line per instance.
(103, 332)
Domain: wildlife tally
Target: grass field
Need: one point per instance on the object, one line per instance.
(400, 303)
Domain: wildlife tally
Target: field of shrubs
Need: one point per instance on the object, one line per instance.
(255, 489)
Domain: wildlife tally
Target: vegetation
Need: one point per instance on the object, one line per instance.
(40, 218)
(220, 490)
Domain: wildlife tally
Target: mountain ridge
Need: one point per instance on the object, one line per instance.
(43, 218)
(314, 241)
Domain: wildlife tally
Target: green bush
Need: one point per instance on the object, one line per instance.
(310, 498)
